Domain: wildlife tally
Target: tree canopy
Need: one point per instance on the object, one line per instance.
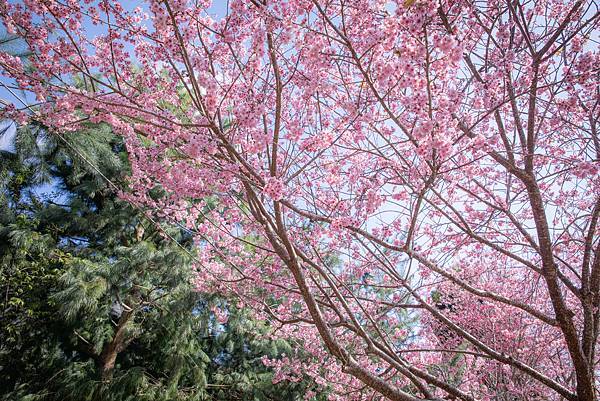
(98, 302)
(345, 167)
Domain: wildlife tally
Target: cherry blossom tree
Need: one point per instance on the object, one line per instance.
(346, 165)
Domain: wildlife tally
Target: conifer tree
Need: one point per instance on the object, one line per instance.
(97, 302)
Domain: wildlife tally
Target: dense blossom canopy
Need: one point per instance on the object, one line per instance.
(348, 167)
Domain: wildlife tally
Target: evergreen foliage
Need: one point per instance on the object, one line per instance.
(97, 304)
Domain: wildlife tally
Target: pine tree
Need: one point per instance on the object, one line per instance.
(97, 301)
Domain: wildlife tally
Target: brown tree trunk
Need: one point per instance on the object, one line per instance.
(107, 358)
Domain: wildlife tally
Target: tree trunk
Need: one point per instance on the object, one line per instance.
(108, 356)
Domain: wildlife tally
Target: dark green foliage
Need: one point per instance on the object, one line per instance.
(97, 304)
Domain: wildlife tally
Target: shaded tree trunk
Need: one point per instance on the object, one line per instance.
(107, 358)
